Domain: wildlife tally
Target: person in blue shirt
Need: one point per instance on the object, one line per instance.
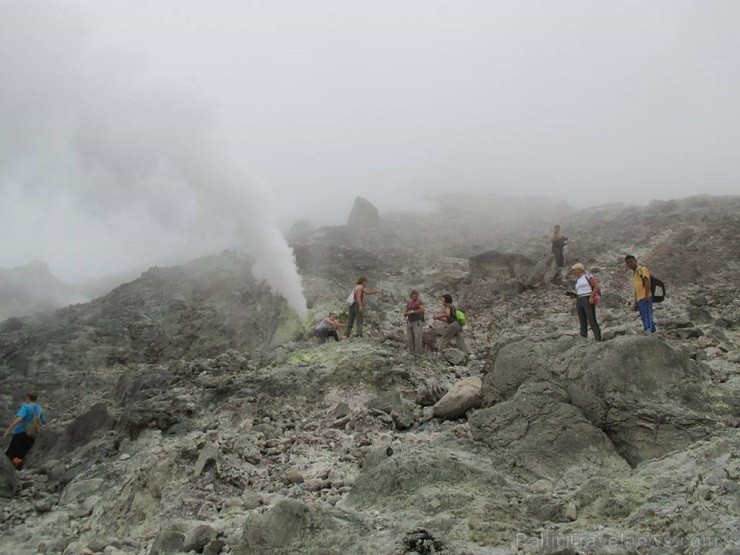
(21, 442)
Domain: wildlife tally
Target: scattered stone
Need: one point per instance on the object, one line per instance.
(541, 486)
(455, 357)
(464, 395)
(200, 536)
(294, 477)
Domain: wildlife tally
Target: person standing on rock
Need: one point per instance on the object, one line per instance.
(328, 328)
(643, 293)
(587, 292)
(356, 301)
(25, 426)
(414, 314)
(558, 245)
(454, 329)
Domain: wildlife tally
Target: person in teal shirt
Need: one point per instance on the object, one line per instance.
(21, 442)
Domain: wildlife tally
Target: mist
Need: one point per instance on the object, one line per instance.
(138, 133)
(108, 168)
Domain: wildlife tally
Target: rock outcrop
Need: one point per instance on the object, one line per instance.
(364, 215)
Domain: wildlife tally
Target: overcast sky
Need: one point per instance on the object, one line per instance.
(104, 104)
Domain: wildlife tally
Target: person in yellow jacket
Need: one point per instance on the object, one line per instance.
(643, 294)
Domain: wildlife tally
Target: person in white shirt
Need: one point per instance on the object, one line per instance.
(588, 293)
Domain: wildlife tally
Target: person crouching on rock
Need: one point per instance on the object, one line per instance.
(454, 329)
(328, 328)
(587, 292)
(25, 427)
(414, 314)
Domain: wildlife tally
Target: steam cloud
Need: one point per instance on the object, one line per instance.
(107, 168)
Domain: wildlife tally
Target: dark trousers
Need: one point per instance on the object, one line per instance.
(355, 315)
(557, 250)
(587, 317)
(20, 445)
(326, 334)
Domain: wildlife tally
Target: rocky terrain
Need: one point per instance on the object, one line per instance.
(192, 413)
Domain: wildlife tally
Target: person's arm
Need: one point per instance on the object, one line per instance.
(442, 315)
(360, 298)
(418, 310)
(595, 289)
(646, 285)
(13, 424)
(335, 323)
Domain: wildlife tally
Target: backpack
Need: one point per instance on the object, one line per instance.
(657, 289)
(597, 296)
(32, 430)
(351, 298)
(460, 317)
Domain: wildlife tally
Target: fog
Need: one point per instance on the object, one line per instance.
(135, 133)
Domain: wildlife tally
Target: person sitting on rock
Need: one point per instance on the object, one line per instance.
(414, 314)
(454, 329)
(328, 328)
(643, 293)
(356, 301)
(587, 290)
(24, 428)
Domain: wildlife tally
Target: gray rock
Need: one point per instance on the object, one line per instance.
(455, 357)
(95, 421)
(294, 527)
(643, 394)
(199, 537)
(364, 215)
(169, 541)
(539, 431)
(9, 484)
(464, 395)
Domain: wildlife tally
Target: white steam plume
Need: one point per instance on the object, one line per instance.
(104, 167)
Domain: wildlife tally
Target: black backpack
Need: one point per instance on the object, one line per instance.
(657, 289)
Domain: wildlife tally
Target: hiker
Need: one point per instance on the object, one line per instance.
(454, 329)
(558, 244)
(328, 328)
(25, 421)
(588, 292)
(414, 314)
(356, 301)
(643, 294)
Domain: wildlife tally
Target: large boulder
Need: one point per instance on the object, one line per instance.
(9, 484)
(645, 395)
(463, 396)
(93, 422)
(364, 215)
(540, 433)
(648, 398)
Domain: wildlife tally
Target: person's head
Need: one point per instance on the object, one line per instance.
(631, 262)
(332, 315)
(578, 269)
(556, 228)
(414, 295)
(362, 280)
(33, 395)
(446, 299)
